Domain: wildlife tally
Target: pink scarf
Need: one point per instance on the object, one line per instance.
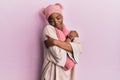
(62, 37)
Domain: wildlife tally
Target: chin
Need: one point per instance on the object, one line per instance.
(60, 28)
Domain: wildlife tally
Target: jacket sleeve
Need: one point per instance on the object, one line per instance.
(77, 49)
(56, 54)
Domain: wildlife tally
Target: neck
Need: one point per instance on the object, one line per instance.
(60, 28)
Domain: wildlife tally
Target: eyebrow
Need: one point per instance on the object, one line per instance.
(58, 16)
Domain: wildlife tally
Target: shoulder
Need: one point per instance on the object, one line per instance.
(48, 27)
(50, 31)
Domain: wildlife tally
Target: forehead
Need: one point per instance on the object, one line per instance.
(55, 15)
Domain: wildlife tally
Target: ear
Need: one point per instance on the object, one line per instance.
(43, 10)
(59, 5)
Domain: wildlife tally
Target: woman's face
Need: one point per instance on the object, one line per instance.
(56, 20)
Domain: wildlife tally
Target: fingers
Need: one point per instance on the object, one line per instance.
(74, 33)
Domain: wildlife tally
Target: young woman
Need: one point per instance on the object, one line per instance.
(61, 46)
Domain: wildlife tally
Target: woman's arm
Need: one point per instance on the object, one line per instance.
(53, 42)
(64, 45)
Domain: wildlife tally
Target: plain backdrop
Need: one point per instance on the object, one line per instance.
(98, 25)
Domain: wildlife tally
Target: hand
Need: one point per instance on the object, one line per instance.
(72, 35)
(49, 42)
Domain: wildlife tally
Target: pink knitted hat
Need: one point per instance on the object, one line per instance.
(56, 8)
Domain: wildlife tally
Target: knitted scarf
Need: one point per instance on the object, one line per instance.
(62, 37)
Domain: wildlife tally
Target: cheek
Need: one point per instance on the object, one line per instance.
(61, 21)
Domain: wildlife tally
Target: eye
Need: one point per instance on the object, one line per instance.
(59, 17)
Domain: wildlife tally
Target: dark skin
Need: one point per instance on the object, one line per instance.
(56, 20)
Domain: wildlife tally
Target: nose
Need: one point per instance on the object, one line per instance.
(55, 21)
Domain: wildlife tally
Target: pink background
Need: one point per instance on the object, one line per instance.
(97, 21)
